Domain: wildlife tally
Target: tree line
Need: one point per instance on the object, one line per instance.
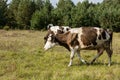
(37, 14)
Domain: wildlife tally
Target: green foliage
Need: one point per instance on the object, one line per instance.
(38, 20)
(41, 18)
(6, 28)
(109, 16)
(25, 11)
(62, 14)
(38, 4)
(3, 12)
(12, 13)
(79, 15)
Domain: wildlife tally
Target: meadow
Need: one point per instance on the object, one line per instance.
(22, 57)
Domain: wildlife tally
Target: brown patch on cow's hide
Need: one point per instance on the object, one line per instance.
(60, 31)
(67, 39)
(63, 44)
(62, 37)
(74, 41)
(104, 35)
(89, 36)
(62, 40)
(99, 37)
(71, 37)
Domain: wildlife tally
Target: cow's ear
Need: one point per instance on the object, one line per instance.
(49, 25)
(72, 37)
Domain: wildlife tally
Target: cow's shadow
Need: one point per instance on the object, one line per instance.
(98, 64)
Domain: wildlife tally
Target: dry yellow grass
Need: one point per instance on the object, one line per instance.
(22, 58)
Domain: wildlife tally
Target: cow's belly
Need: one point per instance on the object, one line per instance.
(91, 47)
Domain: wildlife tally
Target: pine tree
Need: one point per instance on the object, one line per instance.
(62, 14)
(3, 13)
(12, 14)
(38, 4)
(41, 18)
(25, 10)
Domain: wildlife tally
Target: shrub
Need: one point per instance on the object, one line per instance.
(6, 28)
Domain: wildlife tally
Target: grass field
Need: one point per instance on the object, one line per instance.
(22, 58)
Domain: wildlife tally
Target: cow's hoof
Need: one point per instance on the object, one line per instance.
(69, 65)
(109, 65)
(87, 63)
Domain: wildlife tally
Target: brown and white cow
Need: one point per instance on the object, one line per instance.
(83, 38)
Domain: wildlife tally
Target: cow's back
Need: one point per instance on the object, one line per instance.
(90, 37)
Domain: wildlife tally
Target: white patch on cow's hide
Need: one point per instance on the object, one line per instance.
(98, 31)
(55, 29)
(49, 44)
(76, 48)
(79, 39)
(79, 32)
(75, 30)
(66, 28)
(98, 34)
(107, 35)
(99, 42)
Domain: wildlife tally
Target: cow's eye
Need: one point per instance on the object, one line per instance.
(67, 29)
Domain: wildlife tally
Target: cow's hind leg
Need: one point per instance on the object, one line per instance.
(82, 60)
(109, 52)
(99, 53)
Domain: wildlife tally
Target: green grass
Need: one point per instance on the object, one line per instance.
(22, 58)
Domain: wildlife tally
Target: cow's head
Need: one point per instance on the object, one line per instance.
(49, 40)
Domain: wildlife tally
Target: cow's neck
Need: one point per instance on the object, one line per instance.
(62, 40)
(62, 37)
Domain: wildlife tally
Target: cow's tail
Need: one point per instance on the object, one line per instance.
(111, 42)
(110, 32)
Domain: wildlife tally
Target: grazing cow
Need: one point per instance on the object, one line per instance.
(83, 38)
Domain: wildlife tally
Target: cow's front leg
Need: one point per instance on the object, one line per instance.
(71, 57)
